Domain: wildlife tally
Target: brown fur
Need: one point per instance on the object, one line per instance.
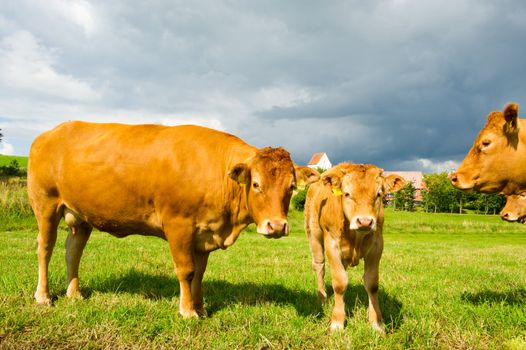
(183, 184)
(496, 163)
(347, 225)
(515, 208)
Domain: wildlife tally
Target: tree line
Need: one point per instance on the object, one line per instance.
(439, 196)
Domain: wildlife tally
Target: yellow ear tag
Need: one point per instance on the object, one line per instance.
(301, 185)
(337, 191)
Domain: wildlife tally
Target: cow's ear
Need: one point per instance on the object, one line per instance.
(305, 176)
(511, 115)
(240, 173)
(333, 178)
(393, 183)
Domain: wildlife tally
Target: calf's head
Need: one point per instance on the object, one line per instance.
(269, 179)
(515, 208)
(361, 187)
(493, 163)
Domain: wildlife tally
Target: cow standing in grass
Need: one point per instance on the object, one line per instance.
(195, 187)
(344, 216)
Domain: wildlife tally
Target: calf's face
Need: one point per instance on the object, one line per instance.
(361, 188)
(493, 158)
(515, 208)
(269, 179)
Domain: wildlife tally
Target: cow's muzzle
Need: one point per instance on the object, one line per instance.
(274, 228)
(510, 217)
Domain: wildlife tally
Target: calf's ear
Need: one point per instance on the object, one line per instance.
(305, 176)
(240, 173)
(333, 178)
(511, 115)
(393, 183)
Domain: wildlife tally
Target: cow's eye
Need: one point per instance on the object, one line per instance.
(255, 185)
(523, 194)
(485, 143)
(347, 194)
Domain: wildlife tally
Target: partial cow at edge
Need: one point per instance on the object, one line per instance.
(515, 208)
(496, 163)
(195, 187)
(344, 218)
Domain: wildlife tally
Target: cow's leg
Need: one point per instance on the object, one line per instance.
(179, 234)
(48, 220)
(339, 284)
(75, 243)
(200, 259)
(370, 277)
(318, 264)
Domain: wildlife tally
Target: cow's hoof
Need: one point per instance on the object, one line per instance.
(201, 312)
(74, 295)
(379, 328)
(336, 326)
(322, 295)
(43, 299)
(189, 314)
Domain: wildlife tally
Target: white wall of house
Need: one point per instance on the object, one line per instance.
(324, 163)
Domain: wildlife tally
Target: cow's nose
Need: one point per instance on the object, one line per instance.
(275, 227)
(505, 216)
(364, 222)
(453, 177)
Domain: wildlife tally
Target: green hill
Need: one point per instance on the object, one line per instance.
(6, 160)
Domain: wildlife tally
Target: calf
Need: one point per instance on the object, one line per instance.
(344, 216)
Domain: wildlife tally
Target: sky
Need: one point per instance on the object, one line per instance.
(402, 84)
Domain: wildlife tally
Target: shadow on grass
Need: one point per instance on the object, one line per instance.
(218, 294)
(356, 296)
(511, 297)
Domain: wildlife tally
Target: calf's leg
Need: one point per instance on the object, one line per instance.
(318, 264)
(371, 278)
(339, 284)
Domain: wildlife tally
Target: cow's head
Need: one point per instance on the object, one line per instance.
(361, 187)
(494, 159)
(515, 208)
(269, 179)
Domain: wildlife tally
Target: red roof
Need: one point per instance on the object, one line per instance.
(316, 157)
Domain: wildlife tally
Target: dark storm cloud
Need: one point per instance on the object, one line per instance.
(403, 84)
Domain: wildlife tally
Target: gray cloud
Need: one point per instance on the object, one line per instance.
(403, 84)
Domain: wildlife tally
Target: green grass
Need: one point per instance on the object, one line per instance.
(6, 160)
(446, 282)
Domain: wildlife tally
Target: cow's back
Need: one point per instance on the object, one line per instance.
(127, 175)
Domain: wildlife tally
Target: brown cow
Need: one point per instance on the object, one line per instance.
(344, 216)
(515, 208)
(497, 160)
(195, 187)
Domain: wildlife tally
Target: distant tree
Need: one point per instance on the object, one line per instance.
(438, 192)
(1, 135)
(404, 199)
(298, 201)
(489, 203)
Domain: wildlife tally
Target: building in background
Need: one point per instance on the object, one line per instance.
(416, 177)
(320, 161)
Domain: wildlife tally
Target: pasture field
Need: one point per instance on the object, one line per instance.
(446, 282)
(6, 160)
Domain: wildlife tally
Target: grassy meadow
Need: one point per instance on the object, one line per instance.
(6, 160)
(446, 282)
